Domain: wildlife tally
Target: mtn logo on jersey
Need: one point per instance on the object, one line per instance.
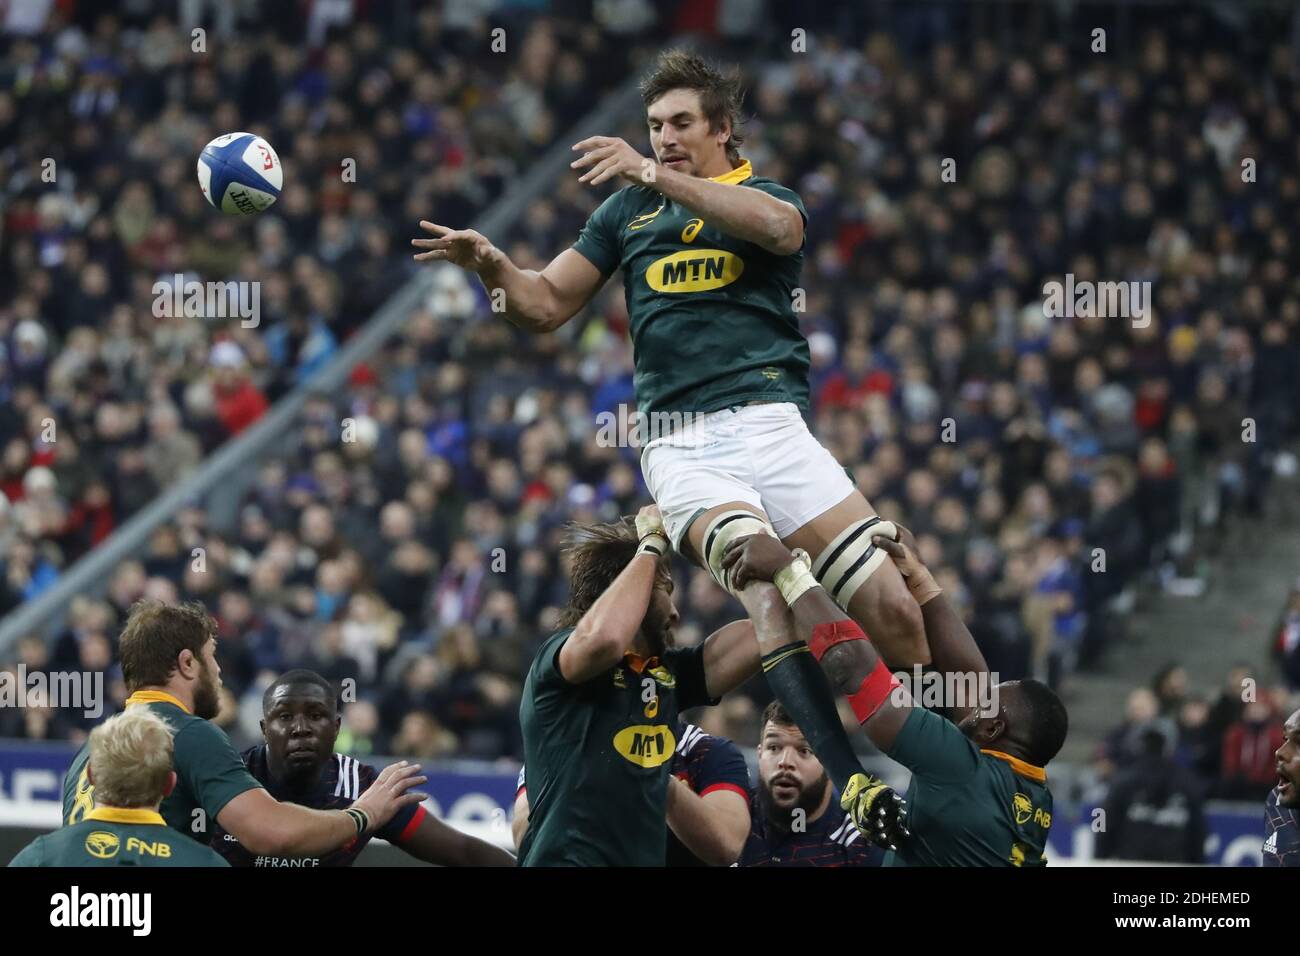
(694, 270)
(646, 746)
(102, 844)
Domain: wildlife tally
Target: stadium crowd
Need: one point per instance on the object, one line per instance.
(419, 558)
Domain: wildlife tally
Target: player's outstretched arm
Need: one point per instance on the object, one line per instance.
(603, 635)
(435, 842)
(536, 301)
(267, 827)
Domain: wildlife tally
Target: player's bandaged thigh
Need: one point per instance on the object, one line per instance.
(724, 529)
(851, 559)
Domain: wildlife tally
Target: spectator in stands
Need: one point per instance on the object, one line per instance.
(1154, 810)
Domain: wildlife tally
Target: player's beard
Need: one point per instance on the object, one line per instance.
(207, 695)
(810, 798)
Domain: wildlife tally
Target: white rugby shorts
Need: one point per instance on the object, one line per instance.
(762, 455)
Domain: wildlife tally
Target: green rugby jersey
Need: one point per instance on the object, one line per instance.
(109, 836)
(966, 806)
(712, 316)
(597, 756)
(209, 773)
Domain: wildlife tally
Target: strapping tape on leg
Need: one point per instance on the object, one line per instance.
(724, 529)
(850, 559)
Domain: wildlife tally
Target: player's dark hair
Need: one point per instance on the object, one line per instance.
(154, 636)
(719, 91)
(1048, 722)
(295, 677)
(776, 714)
(597, 554)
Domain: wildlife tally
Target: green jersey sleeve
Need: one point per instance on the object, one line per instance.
(29, 855)
(208, 764)
(546, 665)
(598, 242)
(777, 191)
(687, 665)
(933, 748)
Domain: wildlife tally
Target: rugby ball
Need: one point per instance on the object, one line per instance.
(240, 174)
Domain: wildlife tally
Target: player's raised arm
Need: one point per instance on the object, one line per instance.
(265, 826)
(952, 647)
(853, 666)
(537, 301)
(603, 634)
(731, 657)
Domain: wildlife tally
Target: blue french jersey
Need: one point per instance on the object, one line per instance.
(1281, 833)
(343, 779)
(830, 840)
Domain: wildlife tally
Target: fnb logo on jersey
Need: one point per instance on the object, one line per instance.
(646, 746)
(694, 270)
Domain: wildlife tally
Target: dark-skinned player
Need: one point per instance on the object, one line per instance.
(979, 794)
(170, 668)
(297, 764)
(1282, 809)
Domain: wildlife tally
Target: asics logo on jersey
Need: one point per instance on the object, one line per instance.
(694, 270)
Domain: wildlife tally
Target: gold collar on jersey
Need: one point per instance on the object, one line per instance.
(126, 815)
(154, 697)
(1019, 766)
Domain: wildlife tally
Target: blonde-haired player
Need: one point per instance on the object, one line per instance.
(130, 765)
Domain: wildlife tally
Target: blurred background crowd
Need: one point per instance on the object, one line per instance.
(419, 558)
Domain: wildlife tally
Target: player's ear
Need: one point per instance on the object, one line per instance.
(170, 785)
(90, 774)
(186, 663)
(262, 724)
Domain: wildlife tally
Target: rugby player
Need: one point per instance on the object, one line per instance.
(131, 765)
(1282, 808)
(169, 665)
(793, 823)
(979, 794)
(601, 701)
(297, 764)
(708, 801)
(711, 255)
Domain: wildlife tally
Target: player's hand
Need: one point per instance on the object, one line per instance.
(461, 247)
(876, 810)
(609, 156)
(391, 791)
(903, 552)
(755, 557)
(649, 521)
